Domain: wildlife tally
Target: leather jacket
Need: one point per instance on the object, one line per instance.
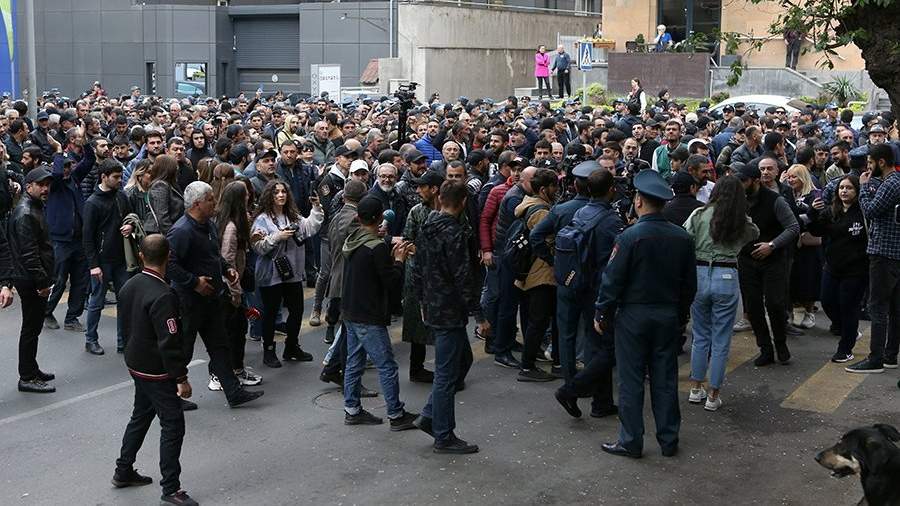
(29, 241)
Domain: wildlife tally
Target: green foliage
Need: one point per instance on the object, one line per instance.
(596, 94)
(841, 90)
(719, 97)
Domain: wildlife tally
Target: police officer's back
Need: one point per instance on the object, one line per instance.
(648, 287)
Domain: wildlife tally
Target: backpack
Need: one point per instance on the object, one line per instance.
(518, 253)
(573, 261)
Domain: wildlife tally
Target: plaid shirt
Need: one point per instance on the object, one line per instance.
(878, 199)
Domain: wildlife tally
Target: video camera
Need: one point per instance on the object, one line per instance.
(406, 97)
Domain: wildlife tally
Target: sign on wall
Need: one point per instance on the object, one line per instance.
(8, 50)
(326, 79)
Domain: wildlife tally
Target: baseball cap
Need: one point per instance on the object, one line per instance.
(476, 156)
(728, 108)
(831, 105)
(355, 190)
(414, 155)
(345, 151)
(430, 178)
(358, 165)
(746, 171)
(269, 153)
(42, 115)
(877, 129)
(39, 173)
(369, 209)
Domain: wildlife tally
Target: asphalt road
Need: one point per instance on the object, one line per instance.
(291, 447)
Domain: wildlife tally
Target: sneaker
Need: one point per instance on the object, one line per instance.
(534, 375)
(366, 392)
(362, 418)
(604, 412)
(214, 384)
(296, 354)
(45, 376)
(477, 333)
(697, 395)
(557, 372)
(840, 358)
(763, 360)
(270, 359)
(783, 354)
(507, 360)
(130, 478)
(50, 322)
(455, 446)
(329, 335)
(404, 422)
(315, 319)
(243, 397)
(248, 378)
(890, 363)
(93, 348)
(332, 377)
(36, 386)
(865, 367)
(713, 404)
(421, 376)
(181, 498)
(741, 325)
(423, 423)
(808, 321)
(73, 326)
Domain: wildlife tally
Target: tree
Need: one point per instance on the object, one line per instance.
(870, 24)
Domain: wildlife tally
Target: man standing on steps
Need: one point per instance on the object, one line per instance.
(155, 358)
(32, 256)
(196, 271)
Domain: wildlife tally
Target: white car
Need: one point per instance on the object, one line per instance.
(760, 103)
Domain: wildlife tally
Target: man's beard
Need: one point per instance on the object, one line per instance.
(386, 188)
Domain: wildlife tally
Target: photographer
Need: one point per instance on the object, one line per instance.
(279, 268)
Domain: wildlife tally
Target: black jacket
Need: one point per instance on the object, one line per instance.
(678, 209)
(104, 212)
(151, 325)
(373, 281)
(442, 273)
(29, 241)
(395, 201)
(845, 241)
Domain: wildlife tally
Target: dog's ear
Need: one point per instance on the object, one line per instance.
(871, 454)
(889, 431)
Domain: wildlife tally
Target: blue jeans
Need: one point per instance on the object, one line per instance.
(363, 339)
(489, 295)
(70, 264)
(712, 316)
(118, 275)
(449, 350)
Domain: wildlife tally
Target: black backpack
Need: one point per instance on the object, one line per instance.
(573, 260)
(518, 254)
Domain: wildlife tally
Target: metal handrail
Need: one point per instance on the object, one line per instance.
(488, 5)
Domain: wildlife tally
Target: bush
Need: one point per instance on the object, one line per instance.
(596, 94)
(719, 97)
(841, 90)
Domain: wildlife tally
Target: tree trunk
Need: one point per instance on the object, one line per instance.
(879, 46)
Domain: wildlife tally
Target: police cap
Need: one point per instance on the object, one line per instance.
(585, 168)
(650, 183)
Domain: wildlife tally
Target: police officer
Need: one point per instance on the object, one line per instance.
(154, 354)
(602, 224)
(647, 289)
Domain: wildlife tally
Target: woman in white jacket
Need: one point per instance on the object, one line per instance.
(280, 266)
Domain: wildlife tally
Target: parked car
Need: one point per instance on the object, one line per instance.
(760, 103)
(188, 88)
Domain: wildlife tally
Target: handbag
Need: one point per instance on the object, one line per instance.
(283, 267)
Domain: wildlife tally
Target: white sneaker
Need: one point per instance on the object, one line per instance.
(713, 404)
(808, 321)
(741, 325)
(248, 378)
(214, 384)
(697, 395)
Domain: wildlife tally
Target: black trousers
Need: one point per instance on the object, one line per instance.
(33, 309)
(564, 82)
(544, 81)
(203, 315)
(792, 54)
(416, 357)
(541, 310)
(763, 290)
(596, 378)
(156, 399)
(235, 332)
(884, 308)
(291, 296)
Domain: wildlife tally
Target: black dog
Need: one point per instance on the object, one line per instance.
(870, 453)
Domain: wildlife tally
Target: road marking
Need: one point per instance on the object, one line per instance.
(826, 390)
(73, 400)
(743, 348)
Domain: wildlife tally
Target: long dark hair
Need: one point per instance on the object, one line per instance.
(266, 203)
(729, 203)
(232, 207)
(165, 167)
(837, 207)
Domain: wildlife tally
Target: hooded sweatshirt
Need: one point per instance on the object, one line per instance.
(104, 213)
(373, 281)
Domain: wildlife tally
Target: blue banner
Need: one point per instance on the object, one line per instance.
(8, 53)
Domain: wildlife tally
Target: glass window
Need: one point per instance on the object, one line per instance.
(190, 79)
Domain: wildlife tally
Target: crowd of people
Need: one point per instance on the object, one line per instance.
(596, 234)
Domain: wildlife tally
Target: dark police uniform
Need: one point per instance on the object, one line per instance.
(648, 286)
(154, 354)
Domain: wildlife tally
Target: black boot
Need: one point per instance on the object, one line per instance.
(270, 358)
